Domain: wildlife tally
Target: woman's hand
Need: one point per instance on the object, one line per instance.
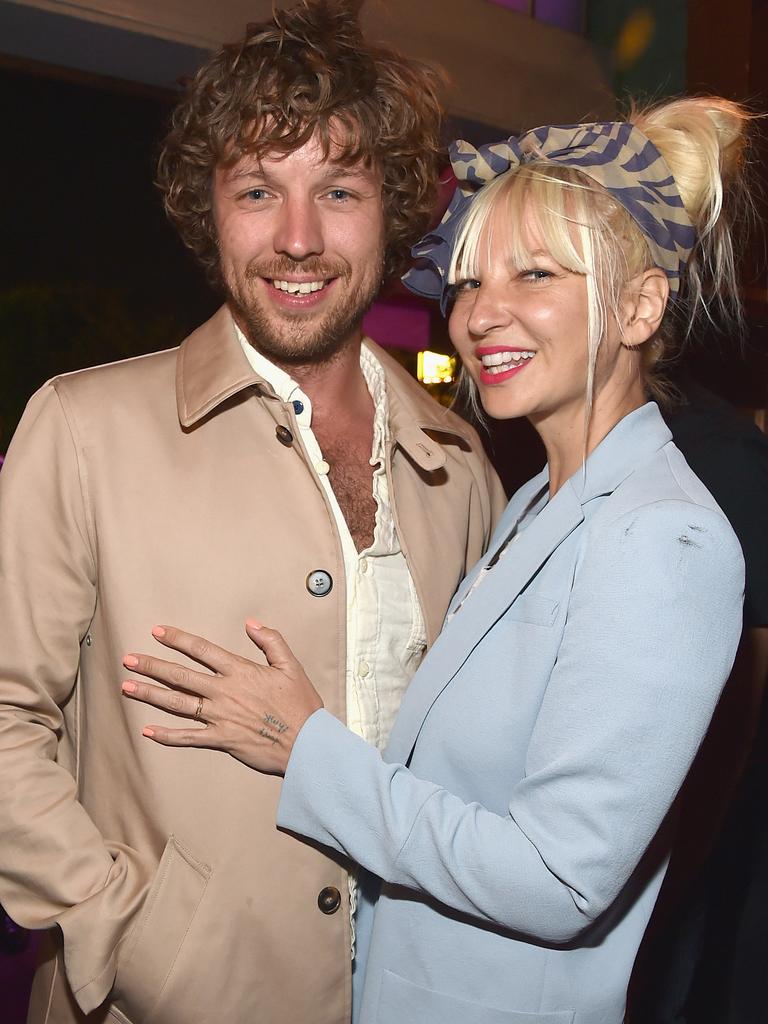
(253, 712)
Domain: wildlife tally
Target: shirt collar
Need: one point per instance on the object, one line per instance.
(283, 385)
(212, 367)
(287, 390)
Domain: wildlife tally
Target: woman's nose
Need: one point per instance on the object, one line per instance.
(490, 310)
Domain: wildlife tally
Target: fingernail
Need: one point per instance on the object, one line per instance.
(158, 631)
(129, 687)
(130, 661)
(148, 732)
(253, 624)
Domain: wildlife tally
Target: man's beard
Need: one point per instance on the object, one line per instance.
(298, 339)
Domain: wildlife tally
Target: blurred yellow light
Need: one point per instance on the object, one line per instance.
(635, 37)
(435, 368)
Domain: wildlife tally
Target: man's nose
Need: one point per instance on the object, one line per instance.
(298, 233)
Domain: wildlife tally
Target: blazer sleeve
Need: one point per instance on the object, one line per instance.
(652, 628)
(55, 867)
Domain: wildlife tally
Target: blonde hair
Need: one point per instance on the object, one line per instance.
(587, 231)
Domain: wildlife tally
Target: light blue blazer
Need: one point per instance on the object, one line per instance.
(515, 818)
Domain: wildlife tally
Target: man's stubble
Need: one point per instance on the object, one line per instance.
(302, 339)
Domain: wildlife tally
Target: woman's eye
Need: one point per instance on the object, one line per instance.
(535, 274)
(467, 285)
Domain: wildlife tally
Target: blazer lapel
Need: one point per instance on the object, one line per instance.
(481, 611)
(513, 513)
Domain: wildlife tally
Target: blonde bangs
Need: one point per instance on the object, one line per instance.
(569, 212)
(553, 196)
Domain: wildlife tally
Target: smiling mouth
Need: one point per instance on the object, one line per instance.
(299, 287)
(500, 362)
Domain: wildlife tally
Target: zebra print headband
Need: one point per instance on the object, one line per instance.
(615, 154)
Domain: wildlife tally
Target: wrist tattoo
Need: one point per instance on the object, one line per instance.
(275, 723)
(266, 734)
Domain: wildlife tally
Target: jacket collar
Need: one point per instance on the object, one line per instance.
(631, 442)
(211, 367)
(415, 418)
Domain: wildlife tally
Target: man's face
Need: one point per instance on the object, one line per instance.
(301, 243)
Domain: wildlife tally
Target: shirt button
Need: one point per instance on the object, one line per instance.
(323, 469)
(363, 565)
(284, 436)
(363, 668)
(298, 407)
(329, 899)
(319, 583)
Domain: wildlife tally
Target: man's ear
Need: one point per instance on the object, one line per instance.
(645, 299)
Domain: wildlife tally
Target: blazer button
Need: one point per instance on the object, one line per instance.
(329, 899)
(284, 436)
(319, 583)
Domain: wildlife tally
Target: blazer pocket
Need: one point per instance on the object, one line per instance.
(154, 944)
(533, 608)
(407, 1003)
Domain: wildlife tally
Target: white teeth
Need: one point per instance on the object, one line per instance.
(498, 362)
(299, 287)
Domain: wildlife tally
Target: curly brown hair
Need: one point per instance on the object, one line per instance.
(306, 71)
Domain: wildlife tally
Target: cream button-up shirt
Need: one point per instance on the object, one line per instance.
(386, 634)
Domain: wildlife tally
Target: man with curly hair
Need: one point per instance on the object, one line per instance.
(275, 465)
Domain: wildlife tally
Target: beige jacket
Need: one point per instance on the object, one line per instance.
(157, 490)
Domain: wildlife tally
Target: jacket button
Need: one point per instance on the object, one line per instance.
(319, 583)
(284, 436)
(329, 899)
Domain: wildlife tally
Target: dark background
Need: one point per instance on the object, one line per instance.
(90, 270)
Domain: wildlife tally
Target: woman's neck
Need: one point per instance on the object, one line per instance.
(569, 441)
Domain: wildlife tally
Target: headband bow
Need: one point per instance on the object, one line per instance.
(615, 154)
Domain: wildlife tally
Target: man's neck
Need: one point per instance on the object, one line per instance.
(336, 387)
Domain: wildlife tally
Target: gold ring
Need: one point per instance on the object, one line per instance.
(199, 710)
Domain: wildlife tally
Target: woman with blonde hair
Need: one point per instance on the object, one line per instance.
(517, 817)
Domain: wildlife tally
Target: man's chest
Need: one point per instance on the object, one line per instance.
(351, 477)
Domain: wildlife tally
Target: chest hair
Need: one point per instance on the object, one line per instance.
(351, 476)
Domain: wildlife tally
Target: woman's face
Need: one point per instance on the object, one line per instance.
(522, 333)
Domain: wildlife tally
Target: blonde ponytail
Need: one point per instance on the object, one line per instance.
(704, 141)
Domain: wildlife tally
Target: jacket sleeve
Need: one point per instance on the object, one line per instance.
(651, 631)
(55, 867)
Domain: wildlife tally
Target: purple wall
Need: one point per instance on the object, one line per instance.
(567, 14)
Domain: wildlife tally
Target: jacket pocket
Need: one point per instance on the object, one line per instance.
(147, 962)
(533, 608)
(114, 1014)
(402, 1001)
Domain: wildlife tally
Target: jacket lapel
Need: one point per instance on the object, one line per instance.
(633, 440)
(512, 515)
(422, 434)
(481, 611)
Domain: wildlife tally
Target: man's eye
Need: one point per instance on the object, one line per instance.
(256, 194)
(339, 194)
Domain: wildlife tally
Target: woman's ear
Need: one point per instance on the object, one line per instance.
(645, 299)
